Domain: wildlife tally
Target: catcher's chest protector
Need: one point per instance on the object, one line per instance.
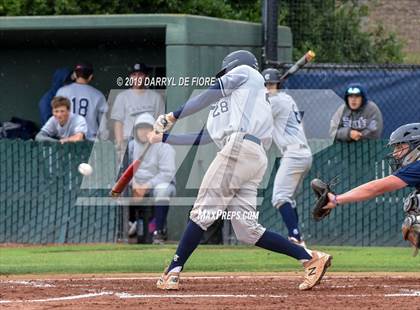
(411, 203)
(411, 225)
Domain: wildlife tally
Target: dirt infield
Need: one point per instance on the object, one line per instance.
(210, 291)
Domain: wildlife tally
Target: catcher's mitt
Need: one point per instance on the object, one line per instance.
(411, 231)
(321, 190)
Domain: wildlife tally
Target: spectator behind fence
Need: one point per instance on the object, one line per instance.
(87, 101)
(63, 126)
(357, 119)
(131, 102)
(155, 176)
(61, 77)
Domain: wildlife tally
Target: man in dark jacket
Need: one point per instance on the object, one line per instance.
(61, 77)
(359, 118)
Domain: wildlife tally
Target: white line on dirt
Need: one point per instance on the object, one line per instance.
(124, 295)
(405, 293)
(127, 295)
(73, 297)
(29, 283)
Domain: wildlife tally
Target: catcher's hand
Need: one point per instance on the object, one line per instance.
(321, 190)
(164, 122)
(411, 231)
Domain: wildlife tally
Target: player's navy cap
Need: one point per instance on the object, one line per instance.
(140, 67)
(83, 65)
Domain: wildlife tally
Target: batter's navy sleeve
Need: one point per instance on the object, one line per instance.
(202, 137)
(410, 174)
(233, 79)
(223, 87)
(203, 100)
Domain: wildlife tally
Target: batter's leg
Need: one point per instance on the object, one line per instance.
(248, 230)
(217, 189)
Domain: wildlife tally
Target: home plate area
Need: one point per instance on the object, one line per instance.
(204, 291)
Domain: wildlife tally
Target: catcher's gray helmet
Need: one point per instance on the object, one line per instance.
(410, 134)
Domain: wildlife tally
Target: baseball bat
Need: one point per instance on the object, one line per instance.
(128, 174)
(299, 64)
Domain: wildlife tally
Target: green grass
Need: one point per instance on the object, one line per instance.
(109, 258)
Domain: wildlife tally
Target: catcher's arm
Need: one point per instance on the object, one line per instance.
(366, 191)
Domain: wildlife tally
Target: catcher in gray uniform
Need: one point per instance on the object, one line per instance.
(296, 161)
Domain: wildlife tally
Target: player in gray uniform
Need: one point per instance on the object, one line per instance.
(131, 102)
(86, 100)
(240, 123)
(63, 126)
(296, 161)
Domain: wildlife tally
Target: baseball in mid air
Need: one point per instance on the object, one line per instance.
(85, 169)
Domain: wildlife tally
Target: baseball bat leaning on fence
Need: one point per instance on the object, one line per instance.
(128, 174)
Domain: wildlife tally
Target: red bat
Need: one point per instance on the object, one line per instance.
(128, 174)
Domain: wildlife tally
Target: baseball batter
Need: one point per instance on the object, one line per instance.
(86, 100)
(240, 123)
(296, 161)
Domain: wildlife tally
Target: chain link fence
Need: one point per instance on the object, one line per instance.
(39, 185)
(395, 89)
(376, 222)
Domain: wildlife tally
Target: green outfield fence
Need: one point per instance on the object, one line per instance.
(375, 222)
(39, 185)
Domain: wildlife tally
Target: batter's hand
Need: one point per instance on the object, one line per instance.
(164, 122)
(154, 137)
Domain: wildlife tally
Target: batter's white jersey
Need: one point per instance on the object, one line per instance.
(131, 103)
(288, 133)
(88, 102)
(245, 107)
